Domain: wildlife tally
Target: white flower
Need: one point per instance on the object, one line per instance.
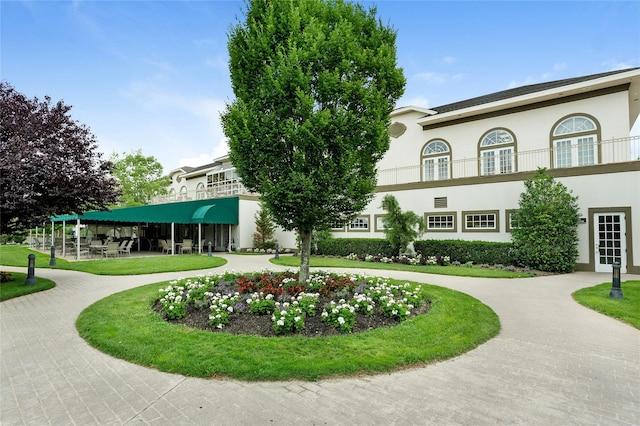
(340, 320)
(280, 322)
(296, 319)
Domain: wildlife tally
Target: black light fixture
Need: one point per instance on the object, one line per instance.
(616, 290)
(31, 270)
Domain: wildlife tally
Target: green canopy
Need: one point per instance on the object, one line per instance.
(213, 210)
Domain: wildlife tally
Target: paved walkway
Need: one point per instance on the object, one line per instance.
(553, 363)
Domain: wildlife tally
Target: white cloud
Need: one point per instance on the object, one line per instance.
(438, 78)
(614, 65)
(220, 150)
(545, 76)
(417, 101)
(449, 60)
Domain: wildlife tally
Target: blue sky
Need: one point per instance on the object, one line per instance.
(152, 75)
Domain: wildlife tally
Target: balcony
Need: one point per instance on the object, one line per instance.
(610, 152)
(220, 189)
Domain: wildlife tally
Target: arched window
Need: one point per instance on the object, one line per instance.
(436, 160)
(496, 151)
(172, 194)
(183, 193)
(200, 192)
(574, 142)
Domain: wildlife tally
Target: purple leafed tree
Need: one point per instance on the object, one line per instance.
(48, 163)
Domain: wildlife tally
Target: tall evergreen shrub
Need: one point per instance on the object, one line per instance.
(545, 231)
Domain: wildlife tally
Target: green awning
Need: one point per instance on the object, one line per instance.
(214, 211)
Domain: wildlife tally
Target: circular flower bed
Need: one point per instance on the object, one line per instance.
(270, 304)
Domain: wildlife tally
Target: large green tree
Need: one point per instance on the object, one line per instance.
(545, 227)
(139, 178)
(315, 82)
(400, 227)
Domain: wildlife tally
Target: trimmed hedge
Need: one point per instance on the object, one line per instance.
(359, 246)
(478, 252)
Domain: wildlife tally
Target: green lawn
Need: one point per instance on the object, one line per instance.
(123, 325)
(463, 271)
(12, 255)
(15, 288)
(626, 309)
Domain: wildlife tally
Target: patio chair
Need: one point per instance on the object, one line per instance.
(126, 249)
(165, 247)
(112, 249)
(187, 246)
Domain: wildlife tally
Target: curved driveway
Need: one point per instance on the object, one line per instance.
(554, 363)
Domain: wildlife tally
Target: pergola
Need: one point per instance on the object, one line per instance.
(222, 211)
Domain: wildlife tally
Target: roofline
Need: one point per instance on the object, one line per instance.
(562, 91)
(411, 108)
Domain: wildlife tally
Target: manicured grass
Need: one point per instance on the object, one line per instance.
(123, 325)
(463, 271)
(626, 309)
(17, 256)
(15, 288)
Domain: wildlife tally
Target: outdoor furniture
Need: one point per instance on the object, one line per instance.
(96, 247)
(112, 249)
(187, 246)
(84, 249)
(166, 249)
(127, 248)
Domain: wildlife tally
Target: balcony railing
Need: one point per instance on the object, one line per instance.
(609, 151)
(220, 189)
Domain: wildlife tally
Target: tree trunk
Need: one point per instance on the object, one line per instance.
(305, 253)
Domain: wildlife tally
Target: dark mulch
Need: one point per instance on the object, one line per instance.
(261, 325)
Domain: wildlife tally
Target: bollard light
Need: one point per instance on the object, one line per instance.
(616, 290)
(31, 270)
(209, 254)
(277, 256)
(52, 260)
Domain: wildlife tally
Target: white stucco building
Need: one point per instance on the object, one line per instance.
(463, 167)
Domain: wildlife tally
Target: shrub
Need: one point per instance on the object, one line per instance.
(466, 251)
(546, 235)
(358, 246)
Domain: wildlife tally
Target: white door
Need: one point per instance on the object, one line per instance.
(610, 239)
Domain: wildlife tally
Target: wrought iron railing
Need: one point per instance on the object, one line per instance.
(608, 152)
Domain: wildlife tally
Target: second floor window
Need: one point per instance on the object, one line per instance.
(497, 149)
(436, 160)
(574, 142)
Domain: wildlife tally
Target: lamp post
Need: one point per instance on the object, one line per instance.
(277, 256)
(52, 260)
(209, 254)
(616, 291)
(31, 270)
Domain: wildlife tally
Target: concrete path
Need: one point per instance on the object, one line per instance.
(554, 363)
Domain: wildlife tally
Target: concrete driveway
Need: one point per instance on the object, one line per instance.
(554, 363)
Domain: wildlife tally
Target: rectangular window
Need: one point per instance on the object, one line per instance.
(511, 222)
(337, 226)
(378, 224)
(361, 224)
(436, 168)
(586, 151)
(497, 161)
(581, 151)
(441, 222)
(481, 221)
